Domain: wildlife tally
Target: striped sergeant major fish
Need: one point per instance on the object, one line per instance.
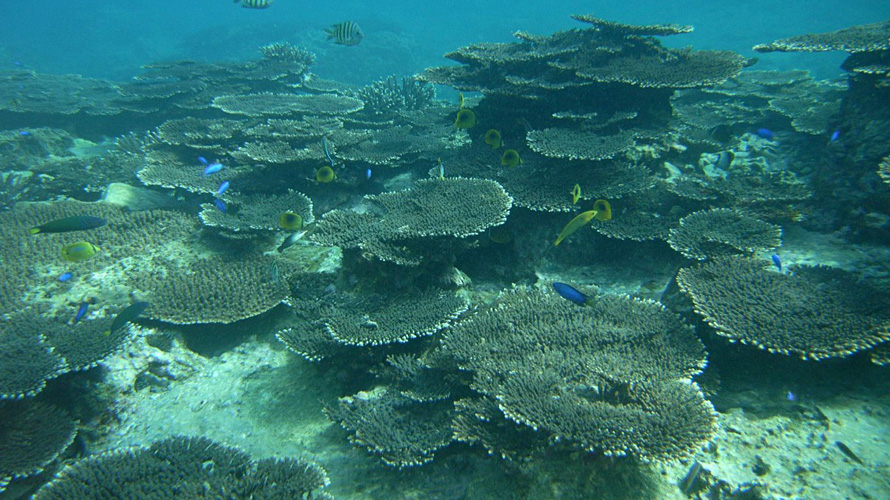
(255, 4)
(345, 33)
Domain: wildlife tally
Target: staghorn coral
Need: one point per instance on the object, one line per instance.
(184, 467)
(391, 96)
(265, 104)
(810, 312)
(710, 233)
(256, 212)
(864, 38)
(604, 367)
(33, 434)
(402, 431)
(213, 290)
(452, 207)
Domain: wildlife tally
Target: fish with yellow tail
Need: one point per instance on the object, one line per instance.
(255, 4)
(576, 194)
(346, 33)
(601, 211)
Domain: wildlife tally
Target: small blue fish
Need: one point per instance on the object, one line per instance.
(368, 174)
(223, 187)
(212, 168)
(203, 160)
(791, 397)
(835, 135)
(569, 293)
(219, 205)
(81, 312)
(766, 133)
(65, 277)
(777, 261)
(324, 145)
(24, 133)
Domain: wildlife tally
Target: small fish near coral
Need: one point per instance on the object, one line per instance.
(766, 133)
(465, 118)
(325, 174)
(569, 293)
(81, 312)
(510, 158)
(127, 315)
(493, 138)
(292, 239)
(777, 261)
(67, 224)
(219, 205)
(346, 33)
(212, 168)
(327, 153)
(80, 251)
(223, 187)
(65, 277)
(255, 4)
(601, 211)
(576, 194)
(290, 221)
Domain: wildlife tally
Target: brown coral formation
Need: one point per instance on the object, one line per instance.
(810, 312)
(710, 233)
(608, 370)
(433, 208)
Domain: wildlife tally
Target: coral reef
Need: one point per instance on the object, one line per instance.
(257, 212)
(433, 208)
(810, 312)
(269, 104)
(391, 95)
(33, 434)
(188, 468)
(605, 368)
(711, 233)
(402, 431)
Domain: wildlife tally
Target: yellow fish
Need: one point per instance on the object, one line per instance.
(576, 194)
(575, 224)
(460, 101)
(80, 251)
(465, 119)
(325, 174)
(290, 221)
(510, 158)
(604, 210)
(493, 138)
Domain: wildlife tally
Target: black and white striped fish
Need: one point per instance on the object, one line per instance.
(345, 33)
(255, 4)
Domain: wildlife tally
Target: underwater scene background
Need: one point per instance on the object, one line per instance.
(495, 250)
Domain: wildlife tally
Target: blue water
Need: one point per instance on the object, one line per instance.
(113, 39)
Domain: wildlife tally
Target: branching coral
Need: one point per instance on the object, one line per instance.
(392, 95)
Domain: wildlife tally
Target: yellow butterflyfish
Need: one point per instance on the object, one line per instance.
(576, 194)
(603, 208)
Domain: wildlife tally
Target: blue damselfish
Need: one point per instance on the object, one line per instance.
(569, 293)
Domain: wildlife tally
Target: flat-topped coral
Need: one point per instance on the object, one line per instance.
(810, 312)
(213, 290)
(402, 431)
(257, 212)
(863, 38)
(359, 318)
(577, 144)
(26, 362)
(33, 434)
(264, 104)
(606, 366)
(31, 92)
(185, 467)
(197, 132)
(451, 207)
(711, 233)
